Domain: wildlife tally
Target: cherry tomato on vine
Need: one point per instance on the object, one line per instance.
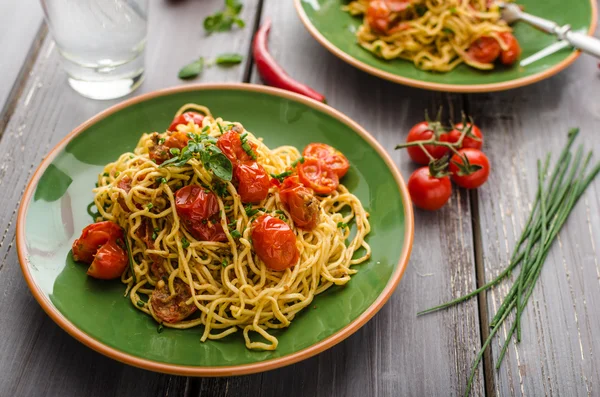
(428, 192)
(475, 179)
(454, 136)
(421, 132)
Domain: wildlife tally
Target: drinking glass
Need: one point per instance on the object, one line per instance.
(102, 43)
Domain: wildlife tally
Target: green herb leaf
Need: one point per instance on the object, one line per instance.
(149, 206)
(221, 166)
(175, 151)
(250, 211)
(161, 141)
(192, 70)
(185, 243)
(229, 59)
(236, 234)
(224, 263)
(342, 225)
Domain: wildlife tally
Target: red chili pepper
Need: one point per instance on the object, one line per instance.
(270, 72)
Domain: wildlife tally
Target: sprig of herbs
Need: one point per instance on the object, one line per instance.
(203, 147)
(191, 70)
(224, 20)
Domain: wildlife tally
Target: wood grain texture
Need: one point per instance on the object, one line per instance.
(20, 23)
(558, 355)
(395, 353)
(36, 357)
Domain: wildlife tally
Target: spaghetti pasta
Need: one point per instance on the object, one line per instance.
(436, 35)
(223, 285)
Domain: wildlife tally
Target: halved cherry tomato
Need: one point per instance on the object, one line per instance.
(485, 50)
(510, 56)
(252, 181)
(421, 132)
(378, 16)
(110, 261)
(93, 237)
(300, 202)
(476, 179)
(172, 308)
(231, 146)
(428, 192)
(316, 175)
(198, 210)
(274, 242)
(185, 118)
(332, 157)
(454, 136)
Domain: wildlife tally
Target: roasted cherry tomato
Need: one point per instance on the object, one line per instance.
(176, 140)
(198, 210)
(316, 175)
(330, 156)
(172, 308)
(428, 192)
(510, 56)
(398, 5)
(274, 242)
(476, 179)
(454, 136)
(252, 181)
(300, 202)
(421, 132)
(231, 146)
(185, 118)
(110, 261)
(485, 50)
(93, 237)
(378, 16)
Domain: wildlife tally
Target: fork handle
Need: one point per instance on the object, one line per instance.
(540, 23)
(585, 43)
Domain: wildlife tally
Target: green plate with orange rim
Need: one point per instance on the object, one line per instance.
(53, 213)
(334, 29)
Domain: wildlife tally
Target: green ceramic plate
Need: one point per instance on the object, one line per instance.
(334, 28)
(53, 212)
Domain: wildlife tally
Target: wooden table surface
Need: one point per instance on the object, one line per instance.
(456, 248)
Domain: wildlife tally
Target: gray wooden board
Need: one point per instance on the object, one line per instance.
(37, 358)
(20, 22)
(559, 351)
(396, 353)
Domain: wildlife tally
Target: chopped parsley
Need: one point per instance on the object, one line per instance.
(236, 234)
(250, 211)
(155, 234)
(185, 243)
(149, 206)
(224, 263)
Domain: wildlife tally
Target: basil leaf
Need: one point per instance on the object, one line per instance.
(192, 70)
(221, 166)
(229, 59)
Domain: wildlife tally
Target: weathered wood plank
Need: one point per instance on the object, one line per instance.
(396, 353)
(559, 349)
(36, 357)
(18, 44)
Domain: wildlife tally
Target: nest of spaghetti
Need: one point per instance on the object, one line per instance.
(225, 233)
(436, 35)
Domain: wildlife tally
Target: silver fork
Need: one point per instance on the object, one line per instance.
(511, 12)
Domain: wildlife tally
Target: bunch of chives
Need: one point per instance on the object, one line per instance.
(556, 196)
